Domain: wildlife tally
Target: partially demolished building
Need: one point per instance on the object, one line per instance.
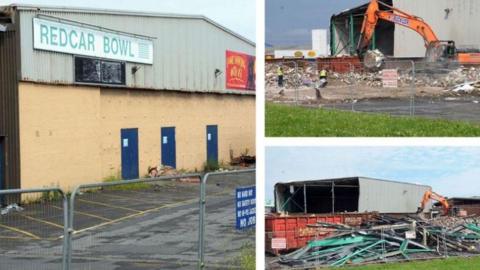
(451, 20)
(350, 194)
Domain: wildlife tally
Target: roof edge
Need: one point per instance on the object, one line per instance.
(27, 7)
(352, 178)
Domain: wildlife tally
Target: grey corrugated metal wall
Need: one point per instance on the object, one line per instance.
(390, 197)
(186, 51)
(9, 127)
(460, 25)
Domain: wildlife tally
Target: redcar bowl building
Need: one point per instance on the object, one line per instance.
(89, 94)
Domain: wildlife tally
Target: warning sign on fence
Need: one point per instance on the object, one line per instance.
(390, 78)
(279, 243)
(245, 207)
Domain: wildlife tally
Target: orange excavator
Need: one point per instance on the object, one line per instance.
(437, 50)
(430, 195)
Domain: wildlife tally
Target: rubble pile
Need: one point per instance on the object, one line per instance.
(306, 75)
(387, 239)
(163, 170)
(459, 80)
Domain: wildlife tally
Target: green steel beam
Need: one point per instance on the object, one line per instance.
(338, 241)
(351, 37)
(473, 227)
(332, 38)
(343, 260)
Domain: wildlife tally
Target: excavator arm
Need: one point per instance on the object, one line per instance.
(396, 16)
(430, 195)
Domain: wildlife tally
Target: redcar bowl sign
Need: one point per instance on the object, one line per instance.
(78, 39)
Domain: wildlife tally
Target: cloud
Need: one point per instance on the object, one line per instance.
(238, 16)
(440, 167)
(464, 184)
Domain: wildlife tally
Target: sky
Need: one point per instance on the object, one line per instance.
(238, 16)
(450, 171)
(290, 22)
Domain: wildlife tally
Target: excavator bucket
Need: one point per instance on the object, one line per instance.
(373, 59)
(435, 52)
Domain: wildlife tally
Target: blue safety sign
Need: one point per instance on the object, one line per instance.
(245, 207)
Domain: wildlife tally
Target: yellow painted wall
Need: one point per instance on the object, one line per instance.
(70, 135)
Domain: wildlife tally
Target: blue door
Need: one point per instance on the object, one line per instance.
(129, 144)
(169, 156)
(212, 143)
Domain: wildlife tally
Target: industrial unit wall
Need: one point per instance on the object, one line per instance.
(390, 196)
(353, 194)
(450, 19)
(72, 135)
(187, 50)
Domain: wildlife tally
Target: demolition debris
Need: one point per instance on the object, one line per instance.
(459, 79)
(387, 239)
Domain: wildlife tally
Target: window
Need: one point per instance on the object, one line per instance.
(98, 71)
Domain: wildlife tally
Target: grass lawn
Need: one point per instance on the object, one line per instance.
(289, 121)
(447, 264)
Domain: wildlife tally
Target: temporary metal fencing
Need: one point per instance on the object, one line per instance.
(222, 243)
(158, 223)
(32, 229)
(397, 87)
(351, 86)
(132, 222)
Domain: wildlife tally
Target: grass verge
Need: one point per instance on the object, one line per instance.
(246, 259)
(125, 187)
(289, 121)
(472, 263)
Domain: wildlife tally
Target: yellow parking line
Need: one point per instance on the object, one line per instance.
(15, 238)
(137, 214)
(43, 221)
(21, 231)
(85, 214)
(109, 205)
(123, 197)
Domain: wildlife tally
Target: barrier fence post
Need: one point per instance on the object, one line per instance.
(65, 264)
(412, 95)
(352, 72)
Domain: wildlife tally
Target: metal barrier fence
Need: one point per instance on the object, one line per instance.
(33, 229)
(125, 223)
(227, 228)
(398, 87)
(154, 223)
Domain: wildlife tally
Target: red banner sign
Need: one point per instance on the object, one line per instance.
(240, 73)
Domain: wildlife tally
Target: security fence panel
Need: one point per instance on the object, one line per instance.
(227, 222)
(135, 224)
(446, 90)
(32, 229)
(389, 88)
(298, 77)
